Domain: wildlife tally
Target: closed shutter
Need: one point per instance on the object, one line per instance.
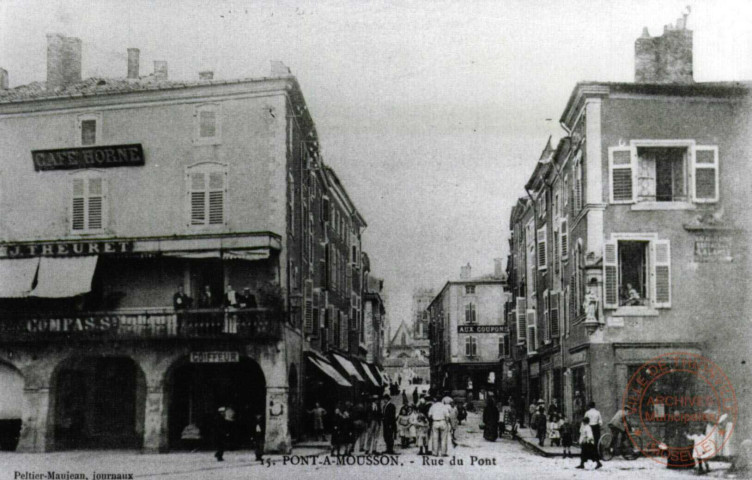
(564, 233)
(542, 248)
(89, 203)
(474, 343)
(610, 275)
(330, 325)
(216, 205)
(308, 321)
(532, 331)
(662, 273)
(468, 347)
(507, 346)
(706, 174)
(572, 299)
(78, 214)
(546, 319)
(95, 218)
(621, 174)
(554, 315)
(198, 198)
(556, 250)
(521, 308)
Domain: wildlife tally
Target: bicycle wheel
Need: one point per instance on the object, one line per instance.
(633, 449)
(604, 447)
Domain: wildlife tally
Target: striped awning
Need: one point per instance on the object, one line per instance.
(328, 370)
(348, 366)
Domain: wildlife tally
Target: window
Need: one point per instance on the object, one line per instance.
(89, 128)
(469, 289)
(542, 204)
(521, 313)
(470, 316)
(637, 272)
(545, 324)
(659, 172)
(207, 125)
(504, 347)
(577, 186)
(553, 315)
(542, 259)
(88, 203)
(532, 332)
(206, 194)
(471, 346)
(564, 239)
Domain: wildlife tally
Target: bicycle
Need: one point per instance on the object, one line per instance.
(630, 451)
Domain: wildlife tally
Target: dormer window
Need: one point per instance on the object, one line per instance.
(207, 125)
(89, 129)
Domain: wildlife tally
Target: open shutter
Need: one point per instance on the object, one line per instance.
(467, 346)
(542, 248)
(308, 322)
(198, 198)
(521, 320)
(572, 299)
(546, 319)
(78, 210)
(622, 172)
(662, 273)
(556, 249)
(610, 275)
(96, 198)
(564, 239)
(554, 315)
(705, 174)
(216, 206)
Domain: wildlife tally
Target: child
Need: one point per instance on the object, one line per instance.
(565, 430)
(587, 445)
(553, 430)
(702, 451)
(421, 432)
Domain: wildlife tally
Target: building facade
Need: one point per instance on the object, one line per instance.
(469, 336)
(632, 241)
(422, 297)
(163, 244)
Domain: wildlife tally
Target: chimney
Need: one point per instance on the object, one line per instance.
(133, 57)
(498, 268)
(63, 60)
(206, 75)
(160, 69)
(279, 69)
(3, 79)
(665, 59)
(465, 272)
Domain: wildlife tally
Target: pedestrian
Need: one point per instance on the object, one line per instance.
(470, 389)
(222, 433)
(554, 433)
(595, 421)
(405, 401)
(510, 418)
(461, 413)
(318, 421)
(359, 426)
(588, 450)
(246, 299)
(390, 423)
(578, 406)
(374, 425)
(415, 396)
(439, 417)
(618, 429)
(702, 451)
(490, 420)
(403, 425)
(258, 436)
(532, 410)
(553, 408)
(540, 424)
(453, 422)
(420, 422)
(338, 429)
(565, 429)
(206, 300)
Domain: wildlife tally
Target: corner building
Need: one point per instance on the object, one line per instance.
(115, 193)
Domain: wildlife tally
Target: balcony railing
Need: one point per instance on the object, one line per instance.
(248, 324)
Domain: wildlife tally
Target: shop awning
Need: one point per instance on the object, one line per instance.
(375, 373)
(330, 371)
(369, 374)
(250, 255)
(17, 276)
(64, 276)
(348, 366)
(210, 254)
(384, 376)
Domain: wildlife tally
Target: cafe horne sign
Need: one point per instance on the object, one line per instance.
(88, 157)
(64, 249)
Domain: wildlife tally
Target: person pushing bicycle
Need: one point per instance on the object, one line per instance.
(618, 426)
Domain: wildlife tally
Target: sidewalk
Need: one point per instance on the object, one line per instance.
(527, 437)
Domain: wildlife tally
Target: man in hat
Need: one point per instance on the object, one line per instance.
(389, 423)
(375, 415)
(246, 299)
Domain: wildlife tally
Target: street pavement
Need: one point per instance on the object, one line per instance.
(505, 458)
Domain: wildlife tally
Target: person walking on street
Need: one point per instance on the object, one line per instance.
(587, 445)
(405, 401)
(222, 433)
(540, 424)
(595, 421)
(258, 436)
(439, 418)
(531, 411)
(415, 396)
(360, 426)
(318, 421)
(453, 422)
(490, 420)
(390, 423)
(374, 425)
(420, 422)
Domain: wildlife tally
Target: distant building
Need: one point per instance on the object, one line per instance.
(406, 364)
(419, 322)
(469, 335)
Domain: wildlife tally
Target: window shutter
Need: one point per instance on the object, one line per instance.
(662, 273)
(546, 316)
(507, 346)
(216, 198)
(610, 275)
(556, 250)
(554, 315)
(622, 172)
(572, 299)
(564, 234)
(330, 325)
(308, 322)
(474, 342)
(79, 204)
(542, 248)
(198, 198)
(706, 174)
(96, 197)
(532, 333)
(467, 346)
(521, 308)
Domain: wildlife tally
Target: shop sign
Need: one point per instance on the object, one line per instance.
(481, 329)
(73, 324)
(215, 357)
(64, 249)
(88, 157)
(713, 247)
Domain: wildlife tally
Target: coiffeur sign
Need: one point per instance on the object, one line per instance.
(64, 249)
(88, 157)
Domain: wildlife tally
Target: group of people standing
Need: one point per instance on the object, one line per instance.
(206, 299)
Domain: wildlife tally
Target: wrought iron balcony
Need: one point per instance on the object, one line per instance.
(247, 324)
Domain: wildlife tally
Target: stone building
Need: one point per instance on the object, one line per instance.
(422, 297)
(118, 194)
(469, 335)
(632, 241)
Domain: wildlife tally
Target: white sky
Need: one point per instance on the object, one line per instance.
(433, 112)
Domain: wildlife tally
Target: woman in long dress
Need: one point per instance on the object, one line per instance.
(490, 420)
(403, 425)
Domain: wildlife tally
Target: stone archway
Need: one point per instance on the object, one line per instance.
(195, 391)
(98, 402)
(11, 406)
